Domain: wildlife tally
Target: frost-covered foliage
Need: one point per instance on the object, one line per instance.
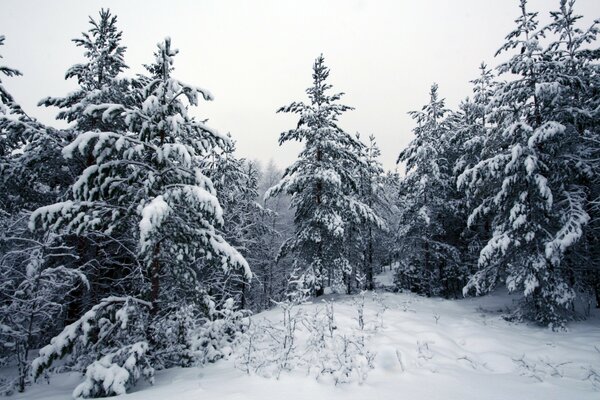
(115, 372)
(275, 224)
(523, 155)
(309, 341)
(36, 270)
(219, 332)
(145, 217)
(28, 153)
(532, 182)
(97, 77)
(427, 255)
(323, 186)
(121, 340)
(8, 106)
(247, 224)
(115, 323)
(370, 237)
(108, 342)
(34, 284)
(149, 179)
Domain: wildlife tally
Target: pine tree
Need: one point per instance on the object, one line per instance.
(148, 177)
(35, 269)
(425, 204)
(322, 185)
(245, 225)
(97, 78)
(531, 183)
(468, 129)
(147, 181)
(8, 104)
(575, 97)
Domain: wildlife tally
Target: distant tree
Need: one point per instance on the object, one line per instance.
(371, 192)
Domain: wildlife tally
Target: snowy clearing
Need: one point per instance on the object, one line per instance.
(448, 350)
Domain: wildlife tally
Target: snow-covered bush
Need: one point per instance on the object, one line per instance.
(108, 342)
(115, 372)
(306, 341)
(172, 337)
(219, 332)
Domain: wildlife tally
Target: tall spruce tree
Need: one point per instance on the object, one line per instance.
(322, 185)
(532, 185)
(146, 180)
(575, 69)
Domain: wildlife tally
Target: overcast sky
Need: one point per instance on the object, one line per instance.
(256, 56)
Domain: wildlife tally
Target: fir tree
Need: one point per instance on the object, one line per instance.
(533, 195)
(425, 205)
(97, 78)
(148, 177)
(322, 185)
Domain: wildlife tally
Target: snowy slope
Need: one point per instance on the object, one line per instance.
(448, 350)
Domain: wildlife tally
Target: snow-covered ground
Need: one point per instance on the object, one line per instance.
(459, 349)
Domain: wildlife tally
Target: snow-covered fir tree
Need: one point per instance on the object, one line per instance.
(147, 180)
(574, 66)
(97, 77)
(246, 222)
(150, 173)
(35, 273)
(424, 251)
(532, 185)
(322, 185)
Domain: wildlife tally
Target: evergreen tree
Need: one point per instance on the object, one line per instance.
(425, 203)
(322, 185)
(150, 173)
(371, 192)
(35, 273)
(533, 194)
(575, 97)
(97, 78)
(107, 258)
(245, 225)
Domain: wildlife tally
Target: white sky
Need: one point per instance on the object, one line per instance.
(256, 56)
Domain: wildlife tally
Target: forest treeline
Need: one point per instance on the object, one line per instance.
(136, 239)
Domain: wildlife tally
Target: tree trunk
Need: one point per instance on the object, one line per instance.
(155, 279)
(370, 284)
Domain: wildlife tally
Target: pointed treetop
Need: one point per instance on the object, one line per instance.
(163, 60)
(102, 44)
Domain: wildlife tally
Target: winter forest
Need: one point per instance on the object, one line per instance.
(140, 255)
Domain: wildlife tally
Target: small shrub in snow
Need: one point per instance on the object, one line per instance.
(310, 341)
(219, 332)
(109, 344)
(115, 372)
(172, 336)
